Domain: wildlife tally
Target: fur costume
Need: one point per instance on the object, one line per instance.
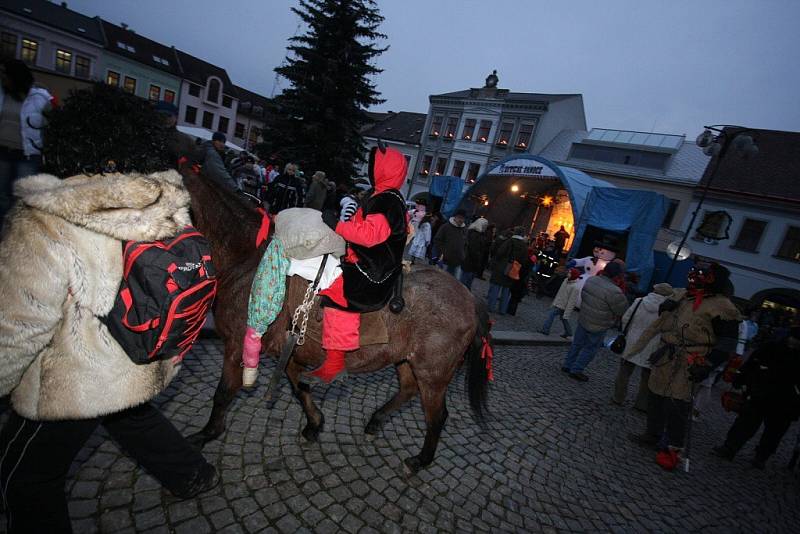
(61, 254)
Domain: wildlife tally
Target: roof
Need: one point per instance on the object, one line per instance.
(127, 43)
(505, 94)
(202, 133)
(57, 16)
(642, 140)
(405, 127)
(250, 102)
(686, 165)
(198, 71)
(774, 172)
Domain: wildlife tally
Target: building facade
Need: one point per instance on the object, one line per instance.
(250, 115)
(465, 131)
(401, 131)
(208, 98)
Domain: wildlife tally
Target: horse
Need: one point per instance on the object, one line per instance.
(441, 327)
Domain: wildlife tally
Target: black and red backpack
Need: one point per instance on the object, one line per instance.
(167, 289)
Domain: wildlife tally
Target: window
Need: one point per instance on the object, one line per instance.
(191, 115)
(441, 165)
(620, 156)
(126, 46)
(227, 101)
(472, 172)
(222, 125)
(504, 137)
(212, 94)
(9, 45)
(208, 120)
(161, 60)
(252, 139)
(194, 90)
(63, 61)
(239, 131)
(458, 168)
(524, 136)
(427, 161)
(112, 78)
(670, 214)
(129, 85)
(469, 130)
(483, 131)
(436, 125)
(83, 67)
(750, 235)
(450, 129)
(155, 93)
(169, 96)
(790, 249)
(29, 51)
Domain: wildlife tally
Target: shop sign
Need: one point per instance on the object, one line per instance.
(524, 167)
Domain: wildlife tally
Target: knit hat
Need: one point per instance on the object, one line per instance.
(612, 269)
(663, 289)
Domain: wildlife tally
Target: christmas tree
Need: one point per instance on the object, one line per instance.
(317, 121)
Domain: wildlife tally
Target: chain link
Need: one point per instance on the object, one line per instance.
(303, 309)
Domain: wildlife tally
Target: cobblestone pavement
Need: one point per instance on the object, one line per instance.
(553, 457)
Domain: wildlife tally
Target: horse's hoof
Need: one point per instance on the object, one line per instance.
(411, 466)
(199, 439)
(311, 433)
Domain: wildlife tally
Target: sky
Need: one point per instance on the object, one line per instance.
(668, 66)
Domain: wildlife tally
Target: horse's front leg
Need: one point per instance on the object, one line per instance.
(315, 419)
(229, 384)
(408, 390)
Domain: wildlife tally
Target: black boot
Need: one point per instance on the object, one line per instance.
(723, 451)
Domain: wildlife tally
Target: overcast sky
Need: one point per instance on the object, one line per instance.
(668, 66)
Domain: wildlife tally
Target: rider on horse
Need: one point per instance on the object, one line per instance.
(376, 238)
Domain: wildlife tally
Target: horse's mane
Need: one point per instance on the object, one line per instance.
(228, 220)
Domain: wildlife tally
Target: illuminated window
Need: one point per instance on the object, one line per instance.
(483, 131)
(155, 93)
(29, 50)
(427, 161)
(469, 130)
(441, 165)
(504, 137)
(129, 85)
(450, 129)
(83, 67)
(63, 61)
(472, 172)
(436, 125)
(112, 78)
(524, 136)
(790, 249)
(169, 96)
(458, 168)
(9, 45)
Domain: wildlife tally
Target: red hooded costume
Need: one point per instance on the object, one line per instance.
(376, 238)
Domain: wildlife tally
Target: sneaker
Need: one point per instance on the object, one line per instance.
(206, 478)
(580, 377)
(723, 451)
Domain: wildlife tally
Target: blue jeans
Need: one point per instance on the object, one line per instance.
(495, 291)
(467, 278)
(556, 312)
(585, 345)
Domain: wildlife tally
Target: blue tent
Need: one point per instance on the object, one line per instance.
(449, 189)
(596, 204)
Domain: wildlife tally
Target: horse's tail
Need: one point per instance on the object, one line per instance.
(479, 363)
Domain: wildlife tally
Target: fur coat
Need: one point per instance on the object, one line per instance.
(646, 309)
(61, 257)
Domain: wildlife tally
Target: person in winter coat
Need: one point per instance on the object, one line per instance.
(519, 287)
(376, 238)
(317, 191)
(211, 158)
(563, 304)
(602, 305)
(510, 250)
(22, 119)
(62, 265)
(477, 248)
(418, 248)
(285, 191)
(771, 382)
(450, 242)
(694, 325)
(641, 314)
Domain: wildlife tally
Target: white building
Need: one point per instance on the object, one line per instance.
(208, 98)
(467, 130)
(250, 115)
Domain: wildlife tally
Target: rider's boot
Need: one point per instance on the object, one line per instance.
(332, 368)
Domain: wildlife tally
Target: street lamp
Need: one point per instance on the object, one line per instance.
(714, 146)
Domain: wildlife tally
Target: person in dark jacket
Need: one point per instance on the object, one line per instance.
(451, 242)
(519, 288)
(211, 158)
(771, 382)
(477, 250)
(437, 219)
(509, 250)
(182, 148)
(286, 191)
(317, 191)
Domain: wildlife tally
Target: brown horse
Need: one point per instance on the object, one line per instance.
(441, 326)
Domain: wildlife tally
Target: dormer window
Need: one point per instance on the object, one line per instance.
(161, 60)
(126, 46)
(213, 90)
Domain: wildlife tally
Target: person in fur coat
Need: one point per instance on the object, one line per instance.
(61, 253)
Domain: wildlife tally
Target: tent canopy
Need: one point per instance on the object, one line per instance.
(204, 134)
